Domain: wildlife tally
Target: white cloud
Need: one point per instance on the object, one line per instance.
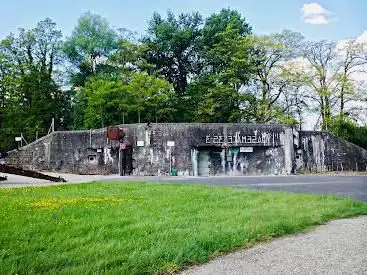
(317, 19)
(358, 44)
(362, 38)
(359, 40)
(312, 9)
(315, 14)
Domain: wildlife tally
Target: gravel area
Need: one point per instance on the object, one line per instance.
(338, 247)
(15, 181)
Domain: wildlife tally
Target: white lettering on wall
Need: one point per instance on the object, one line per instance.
(266, 139)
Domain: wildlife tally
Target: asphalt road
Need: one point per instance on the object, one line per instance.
(343, 185)
(349, 186)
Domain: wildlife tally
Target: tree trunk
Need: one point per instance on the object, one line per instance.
(342, 103)
(102, 122)
(322, 112)
(327, 111)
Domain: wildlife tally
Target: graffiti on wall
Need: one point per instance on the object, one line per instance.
(262, 139)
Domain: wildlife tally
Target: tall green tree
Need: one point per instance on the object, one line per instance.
(270, 84)
(321, 77)
(352, 63)
(212, 35)
(91, 43)
(153, 97)
(137, 98)
(102, 101)
(171, 47)
(27, 78)
(226, 66)
(223, 99)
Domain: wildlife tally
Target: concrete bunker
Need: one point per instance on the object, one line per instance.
(192, 149)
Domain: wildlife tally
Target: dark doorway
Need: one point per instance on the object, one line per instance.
(211, 161)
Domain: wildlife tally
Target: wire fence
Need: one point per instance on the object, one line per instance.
(8, 137)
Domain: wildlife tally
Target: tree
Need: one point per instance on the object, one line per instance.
(101, 95)
(321, 77)
(221, 104)
(352, 62)
(114, 100)
(47, 45)
(349, 130)
(270, 85)
(153, 97)
(171, 47)
(332, 77)
(198, 59)
(212, 35)
(7, 86)
(223, 99)
(129, 56)
(171, 50)
(27, 75)
(90, 44)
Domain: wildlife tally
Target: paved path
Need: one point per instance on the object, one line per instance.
(349, 186)
(343, 185)
(338, 247)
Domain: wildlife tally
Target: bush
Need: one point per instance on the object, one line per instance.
(348, 130)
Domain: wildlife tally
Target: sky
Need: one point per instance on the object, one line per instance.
(316, 20)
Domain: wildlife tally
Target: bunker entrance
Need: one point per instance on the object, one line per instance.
(125, 159)
(210, 160)
(235, 161)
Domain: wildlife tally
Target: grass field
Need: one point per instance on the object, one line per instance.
(139, 228)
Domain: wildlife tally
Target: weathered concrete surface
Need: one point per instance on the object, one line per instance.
(268, 142)
(80, 152)
(193, 149)
(89, 152)
(338, 247)
(322, 151)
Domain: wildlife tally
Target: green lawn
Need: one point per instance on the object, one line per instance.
(138, 228)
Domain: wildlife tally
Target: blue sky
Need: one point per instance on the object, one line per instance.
(321, 19)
